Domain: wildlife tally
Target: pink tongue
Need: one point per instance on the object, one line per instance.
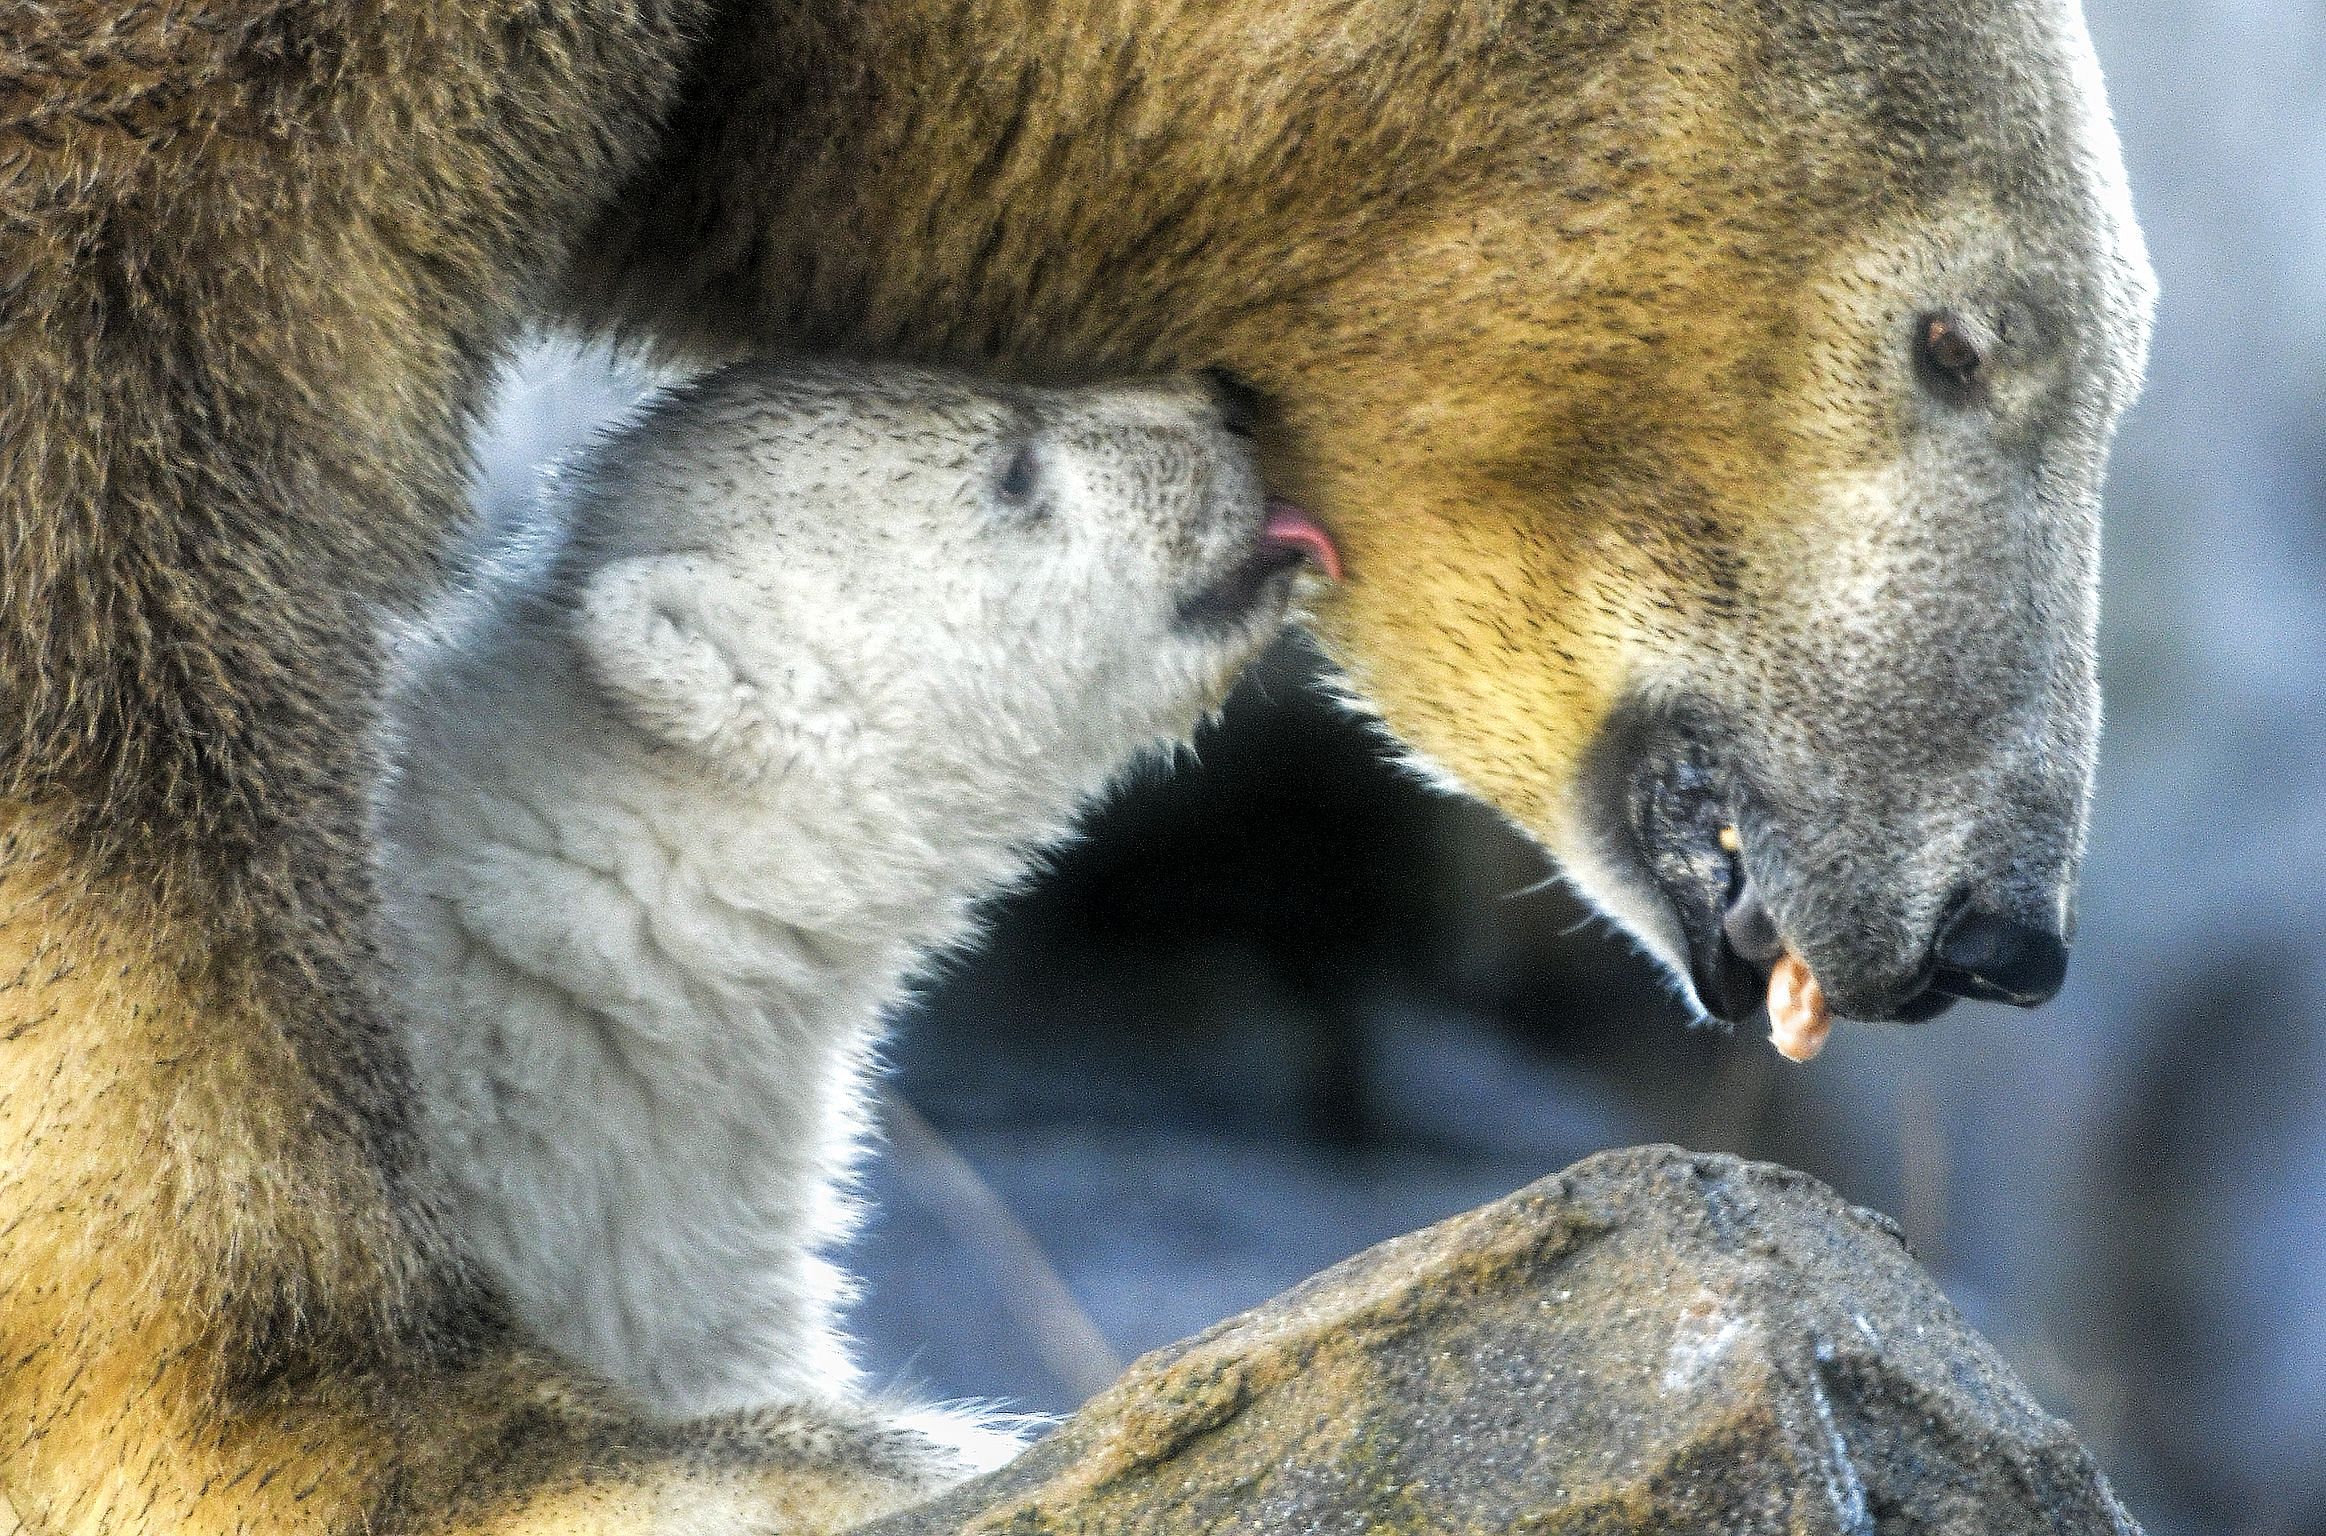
(1290, 528)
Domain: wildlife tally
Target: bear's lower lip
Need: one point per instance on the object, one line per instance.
(1674, 811)
(1731, 977)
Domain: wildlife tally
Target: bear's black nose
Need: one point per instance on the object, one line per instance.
(1997, 959)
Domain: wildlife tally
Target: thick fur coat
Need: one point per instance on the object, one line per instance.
(790, 675)
(1600, 334)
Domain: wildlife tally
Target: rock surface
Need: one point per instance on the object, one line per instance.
(1651, 1342)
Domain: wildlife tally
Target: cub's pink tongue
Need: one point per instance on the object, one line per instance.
(1288, 527)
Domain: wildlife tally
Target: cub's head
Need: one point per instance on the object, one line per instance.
(892, 580)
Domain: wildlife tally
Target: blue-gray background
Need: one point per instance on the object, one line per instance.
(1287, 1004)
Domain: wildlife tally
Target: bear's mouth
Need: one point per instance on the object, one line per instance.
(1676, 815)
(1289, 538)
(1680, 824)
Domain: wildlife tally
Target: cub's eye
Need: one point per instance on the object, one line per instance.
(1948, 359)
(1016, 485)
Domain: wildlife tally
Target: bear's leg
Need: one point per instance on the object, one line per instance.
(222, 1303)
(258, 260)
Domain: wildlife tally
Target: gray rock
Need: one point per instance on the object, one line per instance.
(1651, 1342)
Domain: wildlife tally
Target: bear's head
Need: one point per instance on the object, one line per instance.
(866, 591)
(1742, 540)
(1711, 399)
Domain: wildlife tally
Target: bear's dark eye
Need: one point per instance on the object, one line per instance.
(1948, 360)
(1016, 485)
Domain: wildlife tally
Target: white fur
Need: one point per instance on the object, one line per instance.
(780, 687)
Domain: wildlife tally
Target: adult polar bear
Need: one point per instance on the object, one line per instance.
(1711, 400)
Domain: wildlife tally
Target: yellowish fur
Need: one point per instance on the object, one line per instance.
(1568, 317)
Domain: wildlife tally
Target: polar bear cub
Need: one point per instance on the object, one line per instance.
(798, 668)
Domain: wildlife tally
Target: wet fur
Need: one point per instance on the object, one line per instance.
(1568, 313)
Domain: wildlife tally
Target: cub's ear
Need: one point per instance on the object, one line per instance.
(652, 630)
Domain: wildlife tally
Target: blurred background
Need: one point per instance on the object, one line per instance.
(1287, 1003)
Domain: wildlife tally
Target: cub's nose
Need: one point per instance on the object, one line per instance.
(1239, 402)
(1998, 959)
